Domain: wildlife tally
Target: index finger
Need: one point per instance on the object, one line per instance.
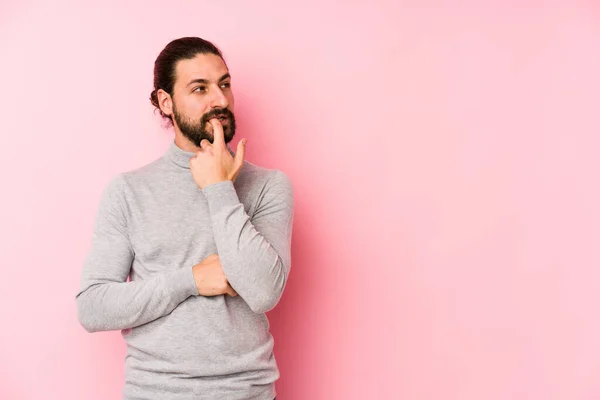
(218, 136)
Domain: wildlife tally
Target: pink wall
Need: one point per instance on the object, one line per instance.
(445, 160)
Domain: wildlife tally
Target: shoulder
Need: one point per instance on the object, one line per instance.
(121, 184)
(264, 178)
(127, 183)
(115, 187)
(145, 172)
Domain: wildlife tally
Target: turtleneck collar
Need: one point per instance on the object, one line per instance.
(181, 157)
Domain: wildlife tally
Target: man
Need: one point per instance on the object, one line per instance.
(204, 237)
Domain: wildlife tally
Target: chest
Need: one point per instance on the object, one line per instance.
(173, 228)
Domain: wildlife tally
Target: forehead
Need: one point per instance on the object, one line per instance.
(204, 66)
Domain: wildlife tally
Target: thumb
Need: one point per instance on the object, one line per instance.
(230, 291)
(241, 152)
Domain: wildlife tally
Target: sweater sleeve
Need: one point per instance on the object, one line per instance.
(106, 301)
(255, 253)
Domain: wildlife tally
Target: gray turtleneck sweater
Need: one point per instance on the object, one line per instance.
(153, 225)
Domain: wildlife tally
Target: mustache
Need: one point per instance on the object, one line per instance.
(225, 112)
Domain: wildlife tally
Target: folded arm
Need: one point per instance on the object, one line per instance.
(106, 301)
(255, 253)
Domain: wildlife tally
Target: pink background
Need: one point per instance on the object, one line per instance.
(445, 161)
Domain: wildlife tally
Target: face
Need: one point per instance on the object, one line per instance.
(202, 91)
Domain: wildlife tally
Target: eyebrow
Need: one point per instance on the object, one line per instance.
(205, 81)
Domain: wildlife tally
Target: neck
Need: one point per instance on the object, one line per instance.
(181, 155)
(184, 143)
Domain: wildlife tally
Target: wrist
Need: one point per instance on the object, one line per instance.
(214, 182)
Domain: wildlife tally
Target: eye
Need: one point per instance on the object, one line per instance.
(202, 89)
(226, 85)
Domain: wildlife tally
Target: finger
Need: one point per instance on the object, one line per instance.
(240, 153)
(218, 136)
(230, 291)
(205, 145)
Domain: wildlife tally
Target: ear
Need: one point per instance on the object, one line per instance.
(165, 102)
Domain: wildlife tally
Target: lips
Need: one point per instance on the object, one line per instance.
(222, 117)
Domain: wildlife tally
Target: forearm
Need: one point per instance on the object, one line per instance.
(254, 253)
(107, 305)
(251, 265)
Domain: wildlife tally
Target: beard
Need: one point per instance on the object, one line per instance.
(195, 130)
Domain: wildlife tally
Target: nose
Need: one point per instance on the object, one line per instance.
(219, 100)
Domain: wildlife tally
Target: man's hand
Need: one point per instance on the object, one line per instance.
(210, 279)
(213, 163)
